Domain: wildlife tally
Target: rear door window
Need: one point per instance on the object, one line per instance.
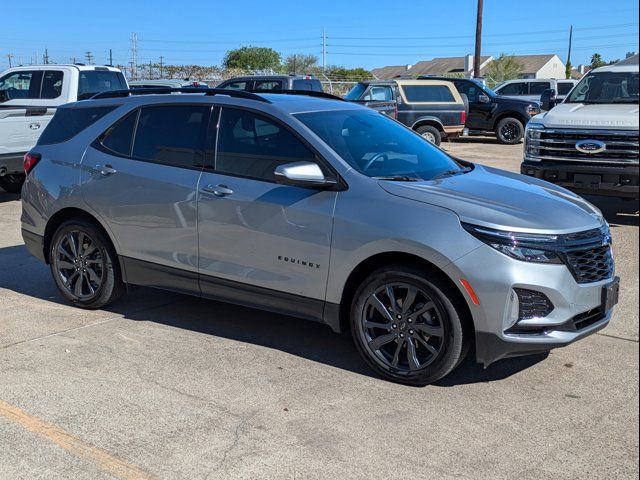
(20, 85)
(68, 122)
(379, 94)
(96, 81)
(428, 93)
(536, 88)
(119, 136)
(51, 84)
(515, 88)
(236, 85)
(311, 85)
(564, 87)
(268, 85)
(171, 135)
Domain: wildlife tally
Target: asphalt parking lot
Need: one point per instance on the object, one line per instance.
(168, 386)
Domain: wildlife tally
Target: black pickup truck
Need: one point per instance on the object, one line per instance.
(489, 112)
(434, 109)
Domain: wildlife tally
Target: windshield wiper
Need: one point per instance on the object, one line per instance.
(451, 173)
(399, 178)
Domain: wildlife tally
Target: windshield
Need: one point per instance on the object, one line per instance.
(356, 92)
(377, 146)
(606, 87)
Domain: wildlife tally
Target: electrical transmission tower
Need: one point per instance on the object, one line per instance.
(134, 56)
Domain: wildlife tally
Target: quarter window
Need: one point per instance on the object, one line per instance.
(68, 122)
(119, 137)
(171, 135)
(428, 93)
(268, 85)
(250, 145)
(564, 87)
(516, 88)
(536, 88)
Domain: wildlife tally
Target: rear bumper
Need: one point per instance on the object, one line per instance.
(609, 180)
(34, 244)
(11, 163)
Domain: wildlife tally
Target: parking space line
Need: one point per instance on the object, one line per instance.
(72, 444)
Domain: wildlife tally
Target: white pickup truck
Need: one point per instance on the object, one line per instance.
(589, 142)
(29, 97)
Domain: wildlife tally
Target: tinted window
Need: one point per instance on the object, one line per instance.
(20, 85)
(268, 85)
(68, 122)
(377, 146)
(235, 85)
(172, 135)
(309, 85)
(253, 146)
(119, 136)
(428, 93)
(51, 84)
(379, 94)
(356, 92)
(517, 88)
(95, 81)
(536, 88)
(606, 87)
(564, 87)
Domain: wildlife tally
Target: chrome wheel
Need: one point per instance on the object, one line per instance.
(79, 264)
(430, 137)
(402, 327)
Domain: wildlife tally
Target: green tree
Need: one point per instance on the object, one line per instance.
(252, 58)
(505, 67)
(299, 63)
(596, 61)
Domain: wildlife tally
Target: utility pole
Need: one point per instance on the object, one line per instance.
(134, 56)
(74, 60)
(568, 66)
(161, 64)
(46, 56)
(324, 49)
(10, 56)
(89, 57)
(476, 57)
(110, 57)
(150, 67)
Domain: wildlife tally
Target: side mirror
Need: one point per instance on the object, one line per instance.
(302, 174)
(483, 98)
(548, 99)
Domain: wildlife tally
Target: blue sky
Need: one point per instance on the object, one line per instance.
(359, 33)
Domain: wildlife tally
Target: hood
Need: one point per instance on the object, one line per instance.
(503, 200)
(580, 115)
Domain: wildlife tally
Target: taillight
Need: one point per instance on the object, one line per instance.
(463, 117)
(30, 161)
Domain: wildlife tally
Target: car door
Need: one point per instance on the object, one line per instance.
(480, 113)
(262, 243)
(140, 177)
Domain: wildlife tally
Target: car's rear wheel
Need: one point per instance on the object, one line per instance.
(509, 131)
(407, 326)
(12, 183)
(84, 265)
(430, 133)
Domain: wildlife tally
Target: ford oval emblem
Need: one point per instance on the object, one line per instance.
(34, 126)
(590, 146)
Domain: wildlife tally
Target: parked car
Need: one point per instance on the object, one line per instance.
(433, 108)
(273, 82)
(28, 99)
(169, 83)
(589, 142)
(531, 88)
(491, 113)
(320, 209)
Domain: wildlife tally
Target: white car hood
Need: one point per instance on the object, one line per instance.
(602, 117)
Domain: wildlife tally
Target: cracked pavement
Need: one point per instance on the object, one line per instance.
(168, 386)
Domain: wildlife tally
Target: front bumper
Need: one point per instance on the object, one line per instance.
(493, 276)
(585, 179)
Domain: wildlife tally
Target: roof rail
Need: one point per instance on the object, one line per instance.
(167, 90)
(308, 93)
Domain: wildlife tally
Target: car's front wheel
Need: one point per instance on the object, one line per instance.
(408, 327)
(84, 265)
(509, 131)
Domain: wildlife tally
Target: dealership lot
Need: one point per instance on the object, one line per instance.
(167, 386)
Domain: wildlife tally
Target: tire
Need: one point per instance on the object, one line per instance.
(94, 266)
(12, 183)
(509, 131)
(384, 340)
(430, 133)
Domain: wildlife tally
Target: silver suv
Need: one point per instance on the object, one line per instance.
(318, 208)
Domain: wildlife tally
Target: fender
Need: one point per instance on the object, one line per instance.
(430, 119)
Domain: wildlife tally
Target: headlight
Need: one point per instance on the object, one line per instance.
(533, 110)
(527, 247)
(533, 131)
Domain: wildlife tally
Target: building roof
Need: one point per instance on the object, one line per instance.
(533, 63)
(389, 72)
(631, 60)
(441, 66)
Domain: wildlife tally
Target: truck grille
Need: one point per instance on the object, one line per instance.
(591, 265)
(550, 144)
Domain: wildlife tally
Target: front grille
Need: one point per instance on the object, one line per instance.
(559, 145)
(591, 264)
(582, 321)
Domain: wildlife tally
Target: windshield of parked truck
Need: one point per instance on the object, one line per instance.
(356, 92)
(377, 146)
(606, 87)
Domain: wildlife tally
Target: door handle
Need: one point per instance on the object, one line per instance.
(105, 170)
(218, 190)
